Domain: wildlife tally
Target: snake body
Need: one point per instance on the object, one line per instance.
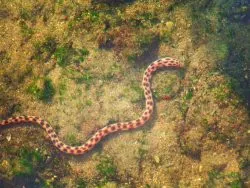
(100, 134)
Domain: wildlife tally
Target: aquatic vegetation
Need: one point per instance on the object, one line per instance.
(143, 19)
(141, 15)
(224, 93)
(168, 90)
(80, 183)
(62, 55)
(65, 55)
(132, 57)
(44, 50)
(189, 94)
(106, 169)
(221, 93)
(86, 18)
(89, 102)
(156, 94)
(46, 93)
(26, 31)
(223, 138)
(142, 154)
(62, 88)
(124, 29)
(27, 162)
(83, 54)
(34, 90)
(184, 105)
(165, 31)
(232, 179)
(85, 78)
(219, 49)
(30, 165)
(25, 14)
(4, 58)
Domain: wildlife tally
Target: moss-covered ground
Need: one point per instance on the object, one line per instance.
(79, 65)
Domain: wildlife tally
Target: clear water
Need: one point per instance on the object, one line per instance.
(79, 66)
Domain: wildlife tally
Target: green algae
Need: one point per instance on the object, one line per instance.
(34, 90)
(83, 54)
(26, 31)
(62, 56)
(89, 102)
(46, 93)
(28, 161)
(25, 14)
(63, 53)
(113, 21)
(85, 78)
(220, 50)
(44, 50)
(62, 88)
(81, 183)
(189, 94)
(28, 164)
(233, 179)
(106, 169)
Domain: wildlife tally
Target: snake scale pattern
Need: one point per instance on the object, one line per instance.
(100, 134)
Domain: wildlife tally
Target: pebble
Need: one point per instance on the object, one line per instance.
(170, 26)
(8, 137)
(5, 165)
(200, 168)
(157, 159)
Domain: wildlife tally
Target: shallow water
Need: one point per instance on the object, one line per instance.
(80, 65)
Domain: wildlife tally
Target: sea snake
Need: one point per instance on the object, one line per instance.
(100, 134)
